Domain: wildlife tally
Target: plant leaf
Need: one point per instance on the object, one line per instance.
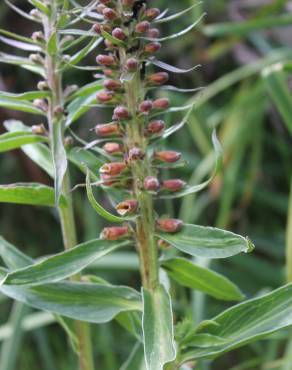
(14, 140)
(21, 12)
(176, 15)
(170, 68)
(159, 347)
(113, 39)
(208, 242)
(13, 257)
(22, 62)
(52, 46)
(19, 44)
(30, 95)
(16, 104)
(81, 54)
(200, 278)
(39, 4)
(84, 160)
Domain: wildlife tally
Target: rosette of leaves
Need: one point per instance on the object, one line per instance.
(127, 161)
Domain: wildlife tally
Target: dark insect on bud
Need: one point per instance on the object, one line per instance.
(104, 96)
(151, 13)
(113, 169)
(168, 156)
(169, 225)
(128, 207)
(118, 33)
(109, 14)
(173, 185)
(162, 103)
(152, 47)
(113, 148)
(132, 64)
(158, 79)
(121, 113)
(155, 127)
(105, 60)
(135, 154)
(153, 33)
(112, 85)
(115, 233)
(146, 106)
(109, 129)
(151, 183)
(39, 129)
(142, 27)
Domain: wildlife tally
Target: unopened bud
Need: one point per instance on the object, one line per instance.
(104, 96)
(135, 154)
(155, 127)
(109, 129)
(58, 110)
(151, 183)
(108, 44)
(128, 207)
(113, 148)
(121, 113)
(169, 225)
(108, 72)
(162, 103)
(173, 185)
(112, 84)
(100, 8)
(113, 169)
(105, 60)
(39, 129)
(153, 33)
(142, 27)
(158, 79)
(118, 33)
(109, 14)
(132, 64)
(36, 58)
(43, 85)
(38, 36)
(115, 233)
(97, 28)
(152, 47)
(152, 13)
(35, 13)
(168, 156)
(146, 106)
(68, 141)
(41, 104)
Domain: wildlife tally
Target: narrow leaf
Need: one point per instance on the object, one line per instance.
(170, 68)
(41, 6)
(21, 12)
(19, 44)
(13, 257)
(22, 62)
(52, 46)
(15, 104)
(177, 15)
(14, 140)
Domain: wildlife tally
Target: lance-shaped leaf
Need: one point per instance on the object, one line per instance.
(30, 95)
(63, 265)
(200, 278)
(21, 12)
(19, 44)
(22, 62)
(29, 193)
(14, 140)
(16, 36)
(245, 323)
(170, 68)
(41, 6)
(84, 160)
(21, 105)
(81, 54)
(13, 257)
(176, 15)
(208, 242)
(159, 347)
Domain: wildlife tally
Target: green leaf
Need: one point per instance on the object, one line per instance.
(29, 194)
(38, 153)
(22, 62)
(21, 105)
(113, 39)
(52, 46)
(30, 95)
(63, 265)
(159, 347)
(14, 140)
(84, 160)
(20, 44)
(200, 278)
(81, 54)
(176, 15)
(40, 5)
(21, 12)
(208, 242)
(246, 322)
(13, 257)
(17, 37)
(135, 360)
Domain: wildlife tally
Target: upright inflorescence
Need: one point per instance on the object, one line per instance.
(131, 41)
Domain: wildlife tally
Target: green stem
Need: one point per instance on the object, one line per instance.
(289, 240)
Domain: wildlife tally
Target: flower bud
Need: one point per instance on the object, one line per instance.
(155, 127)
(35, 14)
(97, 28)
(151, 183)
(158, 79)
(169, 225)
(142, 27)
(135, 154)
(173, 185)
(43, 85)
(114, 233)
(162, 103)
(108, 129)
(38, 36)
(109, 14)
(39, 129)
(152, 47)
(100, 8)
(41, 104)
(36, 58)
(168, 156)
(108, 180)
(113, 148)
(128, 3)
(146, 106)
(152, 13)
(104, 96)
(153, 33)
(118, 33)
(105, 60)
(68, 141)
(121, 113)
(108, 72)
(108, 44)
(112, 84)
(113, 169)
(128, 207)
(132, 64)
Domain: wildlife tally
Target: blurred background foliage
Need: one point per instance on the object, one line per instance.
(245, 49)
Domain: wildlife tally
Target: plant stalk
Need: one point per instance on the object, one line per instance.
(289, 239)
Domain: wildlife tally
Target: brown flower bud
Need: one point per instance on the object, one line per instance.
(151, 183)
(108, 72)
(142, 27)
(113, 169)
(105, 60)
(104, 96)
(108, 129)
(152, 13)
(115, 232)
(132, 64)
(135, 154)
(128, 207)
(39, 129)
(158, 79)
(168, 156)
(108, 44)
(162, 103)
(118, 33)
(100, 8)
(146, 106)
(109, 14)
(97, 28)
(112, 84)
(113, 148)
(153, 33)
(169, 225)
(152, 47)
(121, 113)
(128, 3)
(155, 127)
(108, 180)
(173, 185)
